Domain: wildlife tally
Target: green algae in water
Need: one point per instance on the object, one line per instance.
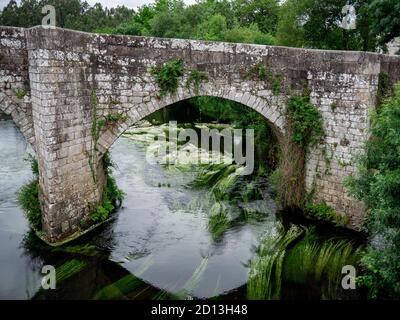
(126, 285)
(219, 220)
(69, 268)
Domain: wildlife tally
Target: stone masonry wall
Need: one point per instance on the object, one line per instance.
(14, 78)
(67, 67)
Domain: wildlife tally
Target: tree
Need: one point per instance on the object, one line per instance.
(316, 24)
(378, 186)
(263, 13)
(385, 19)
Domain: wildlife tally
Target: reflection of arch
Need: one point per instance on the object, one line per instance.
(271, 111)
(21, 113)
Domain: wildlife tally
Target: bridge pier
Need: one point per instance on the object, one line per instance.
(71, 172)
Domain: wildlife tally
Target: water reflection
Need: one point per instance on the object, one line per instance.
(158, 246)
(155, 226)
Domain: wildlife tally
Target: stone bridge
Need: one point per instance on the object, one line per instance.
(48, 76)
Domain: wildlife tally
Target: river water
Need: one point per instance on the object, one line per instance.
(160, 229)
(157, 246)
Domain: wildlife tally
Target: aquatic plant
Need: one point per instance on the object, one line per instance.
(318, 260)
(312, 259)
(218, 220)
(265, 270)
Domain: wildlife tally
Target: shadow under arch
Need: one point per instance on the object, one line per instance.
(272, 113)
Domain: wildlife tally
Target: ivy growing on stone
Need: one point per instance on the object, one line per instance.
(305, 121)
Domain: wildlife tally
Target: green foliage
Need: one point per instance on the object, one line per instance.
(385, 19)
(96, 127)
(323, 212)
(383, 87)
(265, 275)
(71, 14)
(218, 220)
(167, 76)
(34, 164)
(276, 83)
(226, 111)
(315, 24)
(194, 79)
(114, 117)
(377, 185)
(28, 196)
(318, 260)
(28, 199)
(299, 23)
(20, 93)
(305, 121)
(112, 195)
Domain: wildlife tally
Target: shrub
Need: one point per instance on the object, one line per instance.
(378, 186)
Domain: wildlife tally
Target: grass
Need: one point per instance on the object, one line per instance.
(320, 261)
(266, 270)
(310, 260)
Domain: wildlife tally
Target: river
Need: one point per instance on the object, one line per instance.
(157, 246)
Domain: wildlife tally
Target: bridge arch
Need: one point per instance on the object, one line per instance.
(273, 113)
(21, 114)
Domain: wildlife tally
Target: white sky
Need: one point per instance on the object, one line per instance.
(111, 3)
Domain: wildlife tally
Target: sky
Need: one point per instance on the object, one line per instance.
(111, 3)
